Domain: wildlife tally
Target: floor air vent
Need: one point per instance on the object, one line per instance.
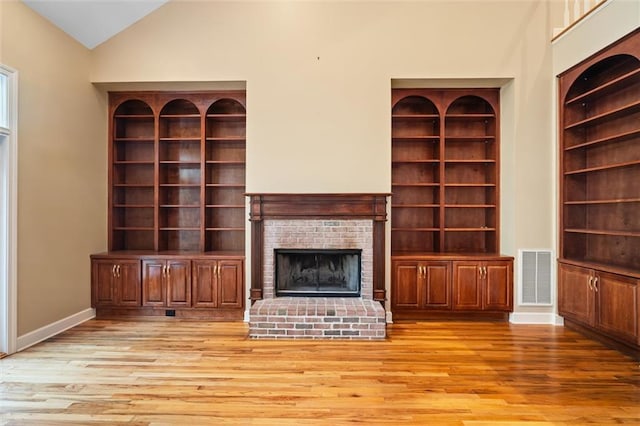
(535, 277)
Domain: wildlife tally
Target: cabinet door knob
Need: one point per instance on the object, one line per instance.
(595, 284)
(590, 282)
(113, 270)
(118, 271)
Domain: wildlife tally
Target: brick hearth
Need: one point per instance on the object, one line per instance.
(317, 318)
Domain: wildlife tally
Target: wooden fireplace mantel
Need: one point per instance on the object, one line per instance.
(318, 206)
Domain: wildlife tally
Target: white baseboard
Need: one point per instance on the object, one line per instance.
(534, 318)
(43, 333)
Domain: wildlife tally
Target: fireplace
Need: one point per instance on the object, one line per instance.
(317, 272)
(317, 266)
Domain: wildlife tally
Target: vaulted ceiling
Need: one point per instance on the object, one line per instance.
(92, 22)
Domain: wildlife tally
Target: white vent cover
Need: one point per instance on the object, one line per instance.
(535, 277)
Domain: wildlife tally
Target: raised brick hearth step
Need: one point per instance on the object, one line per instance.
(317, 318)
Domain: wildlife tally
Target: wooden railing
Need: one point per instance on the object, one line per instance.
(575, 11)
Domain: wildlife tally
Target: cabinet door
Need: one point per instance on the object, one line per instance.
(575, 297)
(231, 283)
(103, 282)
(498, 285)
(129, 289)
(178, 278)
(467, 286)
(204, 288)
(437, 285)
(406, 285)
(617, 305)
(153, 283)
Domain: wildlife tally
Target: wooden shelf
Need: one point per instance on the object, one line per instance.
(609, 115)
(470, 138)
(470, 185)
(134, 116)
(137, 139)
(469, 116)
(599, 230)
(469, 229)
(470, 206)
(126, 163)
(170, 116)
(609, 139)
(415, 161)
(242, 163)
(191, 138)
(132, 228)
(416, 138)
(611, 201)
(479, 160)
(627, 79)
(459, 158)
(414, 229)
(604, 232)
(602, 168)
(226, 138)
(415, 116)
(181, 139)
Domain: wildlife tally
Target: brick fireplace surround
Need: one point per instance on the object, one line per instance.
(318, 221)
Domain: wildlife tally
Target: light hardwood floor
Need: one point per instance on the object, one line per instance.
(169, 371)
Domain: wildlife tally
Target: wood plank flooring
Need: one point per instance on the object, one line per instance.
(179, 372)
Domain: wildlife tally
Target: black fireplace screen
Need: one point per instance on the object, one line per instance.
(317, 272)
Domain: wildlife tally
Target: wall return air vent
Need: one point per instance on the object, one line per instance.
(535, 277)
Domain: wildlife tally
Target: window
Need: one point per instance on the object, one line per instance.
(4, 103)
(8, 207)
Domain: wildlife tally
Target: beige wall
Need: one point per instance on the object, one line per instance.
(61, 167)
(318, 85)
(318, 78)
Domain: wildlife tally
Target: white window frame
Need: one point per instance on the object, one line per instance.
(8, 216)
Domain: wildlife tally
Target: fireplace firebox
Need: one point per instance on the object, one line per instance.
(318, 272)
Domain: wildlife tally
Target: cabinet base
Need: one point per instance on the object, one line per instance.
(449, 316)
(185, 313)
(629, 350)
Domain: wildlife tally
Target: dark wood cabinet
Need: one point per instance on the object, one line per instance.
(188, 285)
(115, 282)
(177, 164)
(498, 285)
(428, 286)
(166, 282)
(218, 284)
(445, 203)
(467, 285)
(483, 285)
(576, 298)
(421, 285)
(604, 301)
(599, 204)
